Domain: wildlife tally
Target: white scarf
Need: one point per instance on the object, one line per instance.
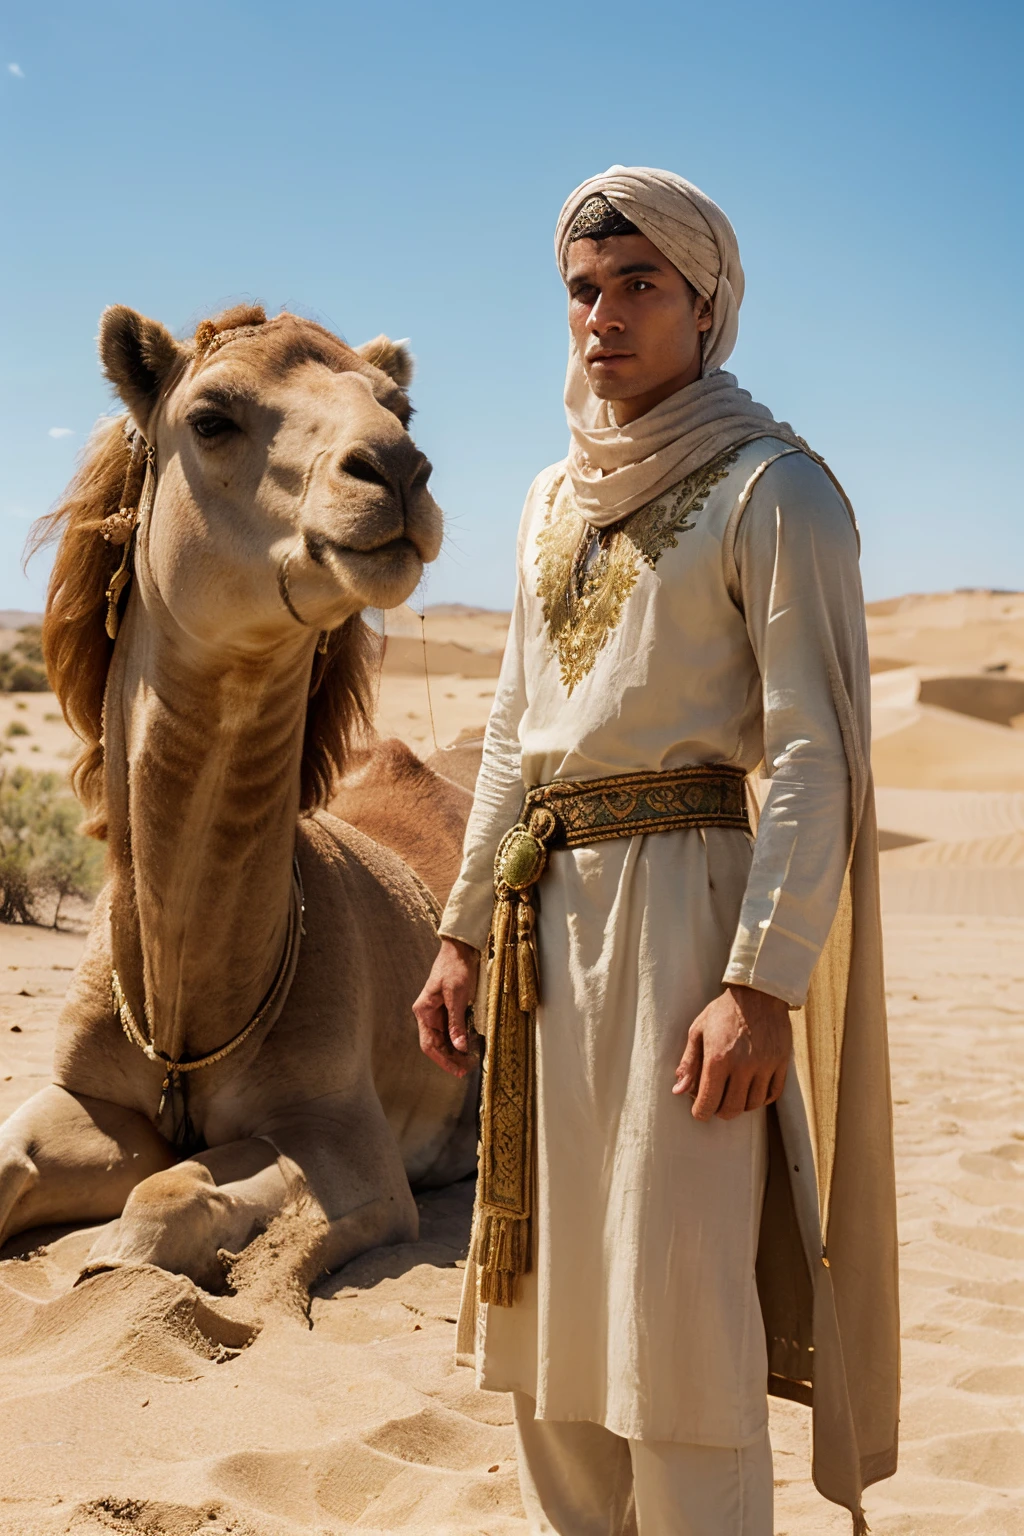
(616, 469)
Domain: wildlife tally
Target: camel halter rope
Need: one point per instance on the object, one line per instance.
(120, 528)
(175, 1067)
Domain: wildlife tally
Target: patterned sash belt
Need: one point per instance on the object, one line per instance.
(560, 815)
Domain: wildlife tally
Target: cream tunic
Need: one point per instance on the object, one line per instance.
(706, 645)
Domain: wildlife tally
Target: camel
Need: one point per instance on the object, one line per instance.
(237, 1043)
(418, 809)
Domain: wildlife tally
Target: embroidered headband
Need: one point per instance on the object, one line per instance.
(598, 220)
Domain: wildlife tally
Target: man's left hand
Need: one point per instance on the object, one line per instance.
(736, 1054)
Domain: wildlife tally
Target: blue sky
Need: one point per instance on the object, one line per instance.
(400, 168)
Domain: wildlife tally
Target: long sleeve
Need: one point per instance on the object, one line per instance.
(799, 580)
(498, 797)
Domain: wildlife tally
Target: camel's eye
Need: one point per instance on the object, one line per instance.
(209, 424)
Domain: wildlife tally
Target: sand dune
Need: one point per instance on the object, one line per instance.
(998, 699)
(950, 815)
(441, 642)
(953, 889)
(446, 658)
(987, 853)
(923, 747)
(481, 629)
(134, 1403)
(964, 852)
(968, 629)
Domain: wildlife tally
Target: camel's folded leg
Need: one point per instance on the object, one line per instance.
(68, 1157)
(352, 1166)
(181, 1217)
(335, 1162)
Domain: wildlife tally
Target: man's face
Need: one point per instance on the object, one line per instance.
(635, 320)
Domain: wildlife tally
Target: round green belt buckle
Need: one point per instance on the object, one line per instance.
(520, 860)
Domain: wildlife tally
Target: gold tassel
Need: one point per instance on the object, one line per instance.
(498, 945)
(120, 579)
(526, 959)
(503, 1254)
(501, 1232)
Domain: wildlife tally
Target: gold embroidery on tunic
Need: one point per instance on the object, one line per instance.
(583, 588)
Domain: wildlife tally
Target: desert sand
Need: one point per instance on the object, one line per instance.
(134, 1403)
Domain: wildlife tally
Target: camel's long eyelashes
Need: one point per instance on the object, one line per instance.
(209, 425)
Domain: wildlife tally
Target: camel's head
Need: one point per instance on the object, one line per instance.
(288, 487)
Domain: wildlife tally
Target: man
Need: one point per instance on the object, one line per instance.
(688, 608)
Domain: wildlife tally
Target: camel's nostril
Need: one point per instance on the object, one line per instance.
(360, 468)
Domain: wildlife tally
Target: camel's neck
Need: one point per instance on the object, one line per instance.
(202, 777)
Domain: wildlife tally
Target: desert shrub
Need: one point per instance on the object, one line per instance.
(30, 643)
(43, 856)
(17, 729)
(18, 676)
(26, 678)
(21, 668)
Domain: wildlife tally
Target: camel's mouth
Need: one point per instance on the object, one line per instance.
(398, 550)
(381, 577)
(376, 551)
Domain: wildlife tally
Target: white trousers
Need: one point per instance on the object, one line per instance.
(581, 1480)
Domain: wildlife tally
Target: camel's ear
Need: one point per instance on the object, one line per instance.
(391, 357)
(137, 355)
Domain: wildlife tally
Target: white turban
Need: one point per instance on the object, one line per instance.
(687, 227)
(616, 469)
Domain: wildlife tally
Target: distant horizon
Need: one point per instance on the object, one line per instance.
(31, 619)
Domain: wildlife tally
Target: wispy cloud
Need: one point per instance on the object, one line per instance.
(62, 431)
(16, 69)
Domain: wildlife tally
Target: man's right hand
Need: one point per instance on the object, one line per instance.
(441, 1007)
